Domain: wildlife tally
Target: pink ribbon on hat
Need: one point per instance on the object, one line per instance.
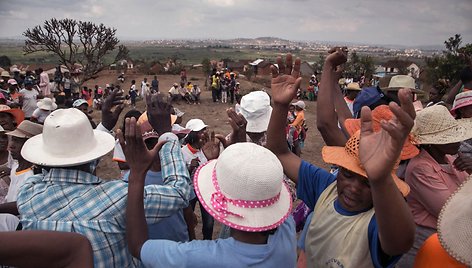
(220, 202)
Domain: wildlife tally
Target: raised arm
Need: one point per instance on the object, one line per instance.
(453, 92)
(378, 154)
(326, 117)
(45, 249)
(285, 83)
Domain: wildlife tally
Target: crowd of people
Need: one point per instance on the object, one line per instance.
(398, 193)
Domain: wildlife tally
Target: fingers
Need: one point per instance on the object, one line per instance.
(222, 139)
(121, 139)
(297, 83)
(274, 71)
(296, 68)
(288, 64)
(406, 101)
(366, 121)
(281, 65)
(148, 97)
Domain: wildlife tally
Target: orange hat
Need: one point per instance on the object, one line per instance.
(380, 113)
(348, 158)
(17, 114)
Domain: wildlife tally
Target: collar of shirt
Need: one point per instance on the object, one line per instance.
(435, 165)
(71, 176)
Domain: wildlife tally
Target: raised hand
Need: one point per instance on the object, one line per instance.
(337, 56)
(285, 80)
(158, 111)
(379, 151)
(138, 156)
(211, 148)
(110, 116)
(238, 125)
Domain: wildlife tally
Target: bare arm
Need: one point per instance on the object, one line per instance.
(45, 249)
(340, 105)
(326, 117)
(9, 208)
(453, 92)
(284, 88)
(378, 154)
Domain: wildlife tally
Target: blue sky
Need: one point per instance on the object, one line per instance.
(400, 22)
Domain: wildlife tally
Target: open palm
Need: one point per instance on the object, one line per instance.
(285, 80)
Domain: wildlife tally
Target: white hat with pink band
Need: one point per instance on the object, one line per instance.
(244, 188)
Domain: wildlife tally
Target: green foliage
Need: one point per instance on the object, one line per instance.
(5, 62)
(358, 65)
(206, 66)
(449, 65)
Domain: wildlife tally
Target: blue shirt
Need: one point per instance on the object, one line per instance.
(75, 201)
(173, 227)
(312, 181)
(280, 251)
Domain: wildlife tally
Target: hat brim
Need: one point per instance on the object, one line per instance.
(254, 219)
(413, 90)
(17, 114)
(257, 124)
(462, 132)
(409, 150)
(34, 150)
(454, 231)
(338, 156)
(47, 107)
(464, 104)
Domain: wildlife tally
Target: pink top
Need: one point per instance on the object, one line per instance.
(431, 184)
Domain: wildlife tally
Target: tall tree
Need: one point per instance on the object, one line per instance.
(74, 42)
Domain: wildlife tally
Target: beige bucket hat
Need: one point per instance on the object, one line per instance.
(436, 125)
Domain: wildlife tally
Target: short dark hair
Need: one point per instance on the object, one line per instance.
(192, 137)
(466, 75)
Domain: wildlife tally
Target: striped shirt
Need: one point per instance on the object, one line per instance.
(76, 201)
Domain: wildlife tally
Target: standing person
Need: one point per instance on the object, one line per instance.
(93, 207)
(83, 106)
(352, 90)
(45, 108)
(215, 85)
(133, 93)
(255, 203)
(360, 217)
(224, 89)
(298, 125)
(183, 76)
(66, 84)
(28, 98)
(13, 91)
(58, 77)
(432, 175)
(155, 85)
(232, 86)
(43, 82)
(143, 87)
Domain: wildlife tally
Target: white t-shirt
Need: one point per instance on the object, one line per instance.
(29, 101)
(118, 154)
(17, 180)
(40, 115)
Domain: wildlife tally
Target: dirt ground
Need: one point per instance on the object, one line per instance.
(213, 114)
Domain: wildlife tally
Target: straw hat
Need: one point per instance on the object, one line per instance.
(61, 128)
(255, 107)
(17, 114)
(401, 81)
(436, 125)
(26, 130)
(195, 125)
(5, 74)
(462, 99)
(300, 104)
(348, 158)
(454, 228)
(251, 199)
(353, 86)
(47, 104)
(380, 113)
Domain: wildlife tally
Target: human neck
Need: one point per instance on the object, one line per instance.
(23, 164)
(3, 157)
(249, 237)
(437, 155)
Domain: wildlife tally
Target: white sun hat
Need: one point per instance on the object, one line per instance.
(195, 125)
(255, 107)
(300, 104)
(67, 140)
(251, 199)
(47, 104)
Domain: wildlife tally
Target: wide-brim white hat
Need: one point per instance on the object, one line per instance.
(47, 104)
(454, 228)
(67, 140)
(256, 109)
(259, 182)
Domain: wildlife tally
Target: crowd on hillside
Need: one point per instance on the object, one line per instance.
(398, 193)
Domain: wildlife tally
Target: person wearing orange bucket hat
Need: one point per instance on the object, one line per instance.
(360, 217)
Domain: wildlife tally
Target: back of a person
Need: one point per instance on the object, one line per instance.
(280, 251)
(92, 208)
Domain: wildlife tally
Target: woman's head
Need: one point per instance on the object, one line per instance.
(197, 138)
(437, 92)
(462, 107)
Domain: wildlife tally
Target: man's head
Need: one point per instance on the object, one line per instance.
(10, 118)
(20, 135)
(466, 77)
(396, 83)
(352, 183)
(145, 79)
(82, 105)
(352, 90)
(29, 82)
(299, 105)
